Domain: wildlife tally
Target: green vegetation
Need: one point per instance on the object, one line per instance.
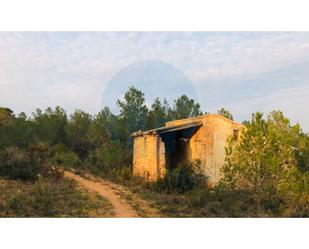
(265, 175)
(184, 177)
(31, 185)
(266, 172)
(48, 197)
(269, 165)
(225, 113)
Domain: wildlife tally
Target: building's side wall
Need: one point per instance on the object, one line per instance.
(148, 157)
(208, 145)
(223, 130)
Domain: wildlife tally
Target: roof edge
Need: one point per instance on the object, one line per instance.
(193, 120)
(164, 129)
(204, 116)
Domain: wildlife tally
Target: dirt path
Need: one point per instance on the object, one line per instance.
(107, 190)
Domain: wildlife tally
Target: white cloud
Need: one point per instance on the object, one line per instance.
(72, 69)
(292, 101)
(250, 57)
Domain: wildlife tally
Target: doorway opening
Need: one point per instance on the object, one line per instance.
(176, 144)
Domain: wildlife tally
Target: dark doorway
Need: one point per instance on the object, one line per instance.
(176, 142)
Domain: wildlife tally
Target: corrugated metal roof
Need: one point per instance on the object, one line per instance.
(183, 127)
(166, 129)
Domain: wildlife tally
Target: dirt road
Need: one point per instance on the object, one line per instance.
(126, 204)
(107, 190)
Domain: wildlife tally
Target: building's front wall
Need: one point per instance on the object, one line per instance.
(145, 156)
(149, 157)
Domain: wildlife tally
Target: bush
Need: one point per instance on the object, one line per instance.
(47, 197)
(26, 164)
(183, 177)
(63, 157)
(17, 164)
(112, 156)
(265, 164)
(109, 159)
(44, 197)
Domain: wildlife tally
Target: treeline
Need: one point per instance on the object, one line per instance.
(101, 142)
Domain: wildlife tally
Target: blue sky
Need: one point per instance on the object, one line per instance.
(242, 71)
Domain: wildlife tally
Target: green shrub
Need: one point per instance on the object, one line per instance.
(268, 163)
(15, 203)
(110, 159)
(48, 197)
(26, 164)
(44, 197)
(17, 164)
(112, 156)
(66, 159)
(183, 177)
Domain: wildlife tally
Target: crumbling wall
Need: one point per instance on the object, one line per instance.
(149, 157)
(200, 147)
(162, 170)
(222, 129)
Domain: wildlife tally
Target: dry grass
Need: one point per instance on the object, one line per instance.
(50, 198)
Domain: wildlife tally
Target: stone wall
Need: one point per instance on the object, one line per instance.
(149, 157)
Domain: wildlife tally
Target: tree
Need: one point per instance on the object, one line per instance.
(133, 111)
(17, 130)
(24, 132)
(159, 114)
(6, 122)
(225, 113)
(264, 161)
(77, 131)
(50, 125)
(293, 135)
(185, 108)
(97, 134)
(110, 122)
(303, 152)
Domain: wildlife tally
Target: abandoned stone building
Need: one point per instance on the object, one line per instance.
(201, 138)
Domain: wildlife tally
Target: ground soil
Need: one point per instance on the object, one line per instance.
(126, 204)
